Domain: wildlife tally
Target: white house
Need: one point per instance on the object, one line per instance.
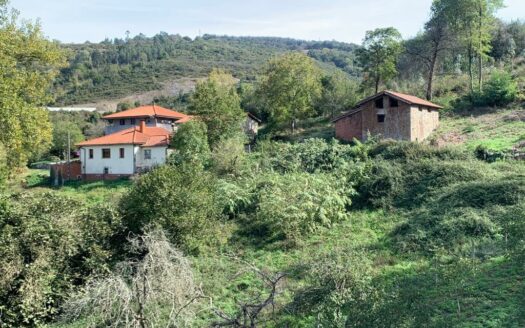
(138, 141)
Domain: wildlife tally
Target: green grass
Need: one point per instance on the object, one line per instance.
(501, 130)
(34, 180)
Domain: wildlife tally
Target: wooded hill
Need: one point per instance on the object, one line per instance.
(120, 67)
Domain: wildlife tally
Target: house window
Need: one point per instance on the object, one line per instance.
(132, 121)
(121, 151)
(106, 170)
(110, 121)
(394, 102)
(91, 154)
(381, 113)
(122, 122)
(379, 103)
(147, 153)
(106, 153)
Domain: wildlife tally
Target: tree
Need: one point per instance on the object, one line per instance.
(429, 46)
(28, 65)
(218, 105)
(339, 93)
(62, 131)
(290, 88)
(379, 54)
(190, 144)
(473, 21)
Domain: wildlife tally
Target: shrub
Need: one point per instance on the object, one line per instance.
(404, 150)
(179, 199)
(382, 184)
(462, 215)
(49, 244)
(229, 156)
(340, 291)
(158, 290)
(312, 155)
(296, 204)
(190, 144)
(500, 89)
(431, 230)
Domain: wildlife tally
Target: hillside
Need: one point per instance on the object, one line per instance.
(428, 237)
(118, 68)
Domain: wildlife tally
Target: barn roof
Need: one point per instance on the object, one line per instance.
(411, 100)
(148, 137)
(408, 99)
(147, 111)
(255, 118)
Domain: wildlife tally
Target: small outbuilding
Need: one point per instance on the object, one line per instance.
(389, 115)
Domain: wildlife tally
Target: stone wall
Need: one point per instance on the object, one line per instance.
(349, 127)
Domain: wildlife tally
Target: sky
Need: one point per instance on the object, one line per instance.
(341, 20)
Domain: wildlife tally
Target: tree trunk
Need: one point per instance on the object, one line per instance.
(480, 50)
(431, 71)
(470, 72)
(377, 84)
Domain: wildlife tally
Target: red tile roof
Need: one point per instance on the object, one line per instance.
(147, 111)
(150, 137)
(411, 100)
(185, 119)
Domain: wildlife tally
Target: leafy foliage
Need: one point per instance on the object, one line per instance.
(47, 248)
(290, 88)
(217, 103)
(28, 65)
(161, 199)
(379, 55)
(300, 203)
(190, 144)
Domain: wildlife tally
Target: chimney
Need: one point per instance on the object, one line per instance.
(142, 127)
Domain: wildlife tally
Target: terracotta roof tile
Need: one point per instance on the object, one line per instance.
(151, 136)
(147, 111)
(411, 100)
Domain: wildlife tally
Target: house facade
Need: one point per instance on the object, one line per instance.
(135, 141)
(389, 115)
(153, 116)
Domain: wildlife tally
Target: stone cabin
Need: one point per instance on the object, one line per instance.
(389, 115)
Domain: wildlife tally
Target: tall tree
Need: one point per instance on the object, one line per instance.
(379, 54)
(28, 65)
(290, 87)
(429, 46)
(339, 93)
(218, 105)
(473, 21)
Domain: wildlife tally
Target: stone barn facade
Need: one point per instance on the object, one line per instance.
(389, 115)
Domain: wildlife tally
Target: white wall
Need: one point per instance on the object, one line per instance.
(158, 157)
(115, 164)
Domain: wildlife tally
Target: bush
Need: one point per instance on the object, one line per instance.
(179, 199)
(500, 89)
(312, 155)
(462, 215)
(293, 205)
(158, 290)
(190, 144)
(404, 150)
(229, 156)
(49, 244)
